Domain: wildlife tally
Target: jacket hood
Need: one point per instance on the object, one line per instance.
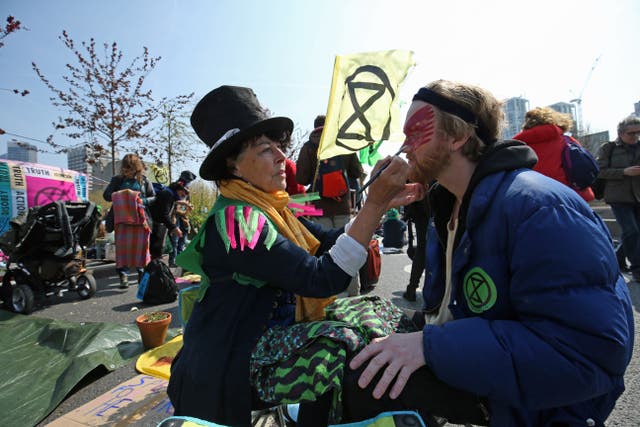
(503, 156)
(539, 134)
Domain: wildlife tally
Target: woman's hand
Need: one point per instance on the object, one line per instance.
(390, 182)
(412, 192)
(381, 192)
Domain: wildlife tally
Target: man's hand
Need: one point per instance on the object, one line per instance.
(412, 193)
(398, 354)
(632, 171)
(177, 232)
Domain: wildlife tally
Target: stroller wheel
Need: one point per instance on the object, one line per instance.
(86, 286)
(22, 299)
(12, 278)
(5, 293)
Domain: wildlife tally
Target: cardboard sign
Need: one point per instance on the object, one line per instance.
(141, 400)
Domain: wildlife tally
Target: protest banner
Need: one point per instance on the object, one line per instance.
(363, 103)
(25, 185)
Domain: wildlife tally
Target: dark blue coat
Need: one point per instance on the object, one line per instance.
(543, 321)
(210, 377)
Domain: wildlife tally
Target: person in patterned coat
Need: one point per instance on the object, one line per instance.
(263, 269)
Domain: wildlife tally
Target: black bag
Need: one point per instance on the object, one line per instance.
(109, 221)
(598, 188)
(157, 286)
(600, 184)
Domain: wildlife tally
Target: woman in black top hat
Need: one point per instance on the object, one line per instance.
(263, 270)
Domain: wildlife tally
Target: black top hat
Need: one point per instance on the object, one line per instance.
(226, 117)
(185, 179)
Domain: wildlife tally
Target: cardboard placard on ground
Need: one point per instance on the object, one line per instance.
(141, 400)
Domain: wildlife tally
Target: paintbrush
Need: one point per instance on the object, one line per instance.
(377, 174)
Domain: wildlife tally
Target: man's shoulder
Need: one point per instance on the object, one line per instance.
(309, 146)
(307, 149)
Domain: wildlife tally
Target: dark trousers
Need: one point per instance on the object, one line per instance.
(423, 393)
(628, 216)
(419, 260)
(156, 240)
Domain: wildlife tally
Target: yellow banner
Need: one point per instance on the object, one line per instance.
(363, 104)
(159, 174)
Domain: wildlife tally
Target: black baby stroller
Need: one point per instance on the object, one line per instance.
(45, 247)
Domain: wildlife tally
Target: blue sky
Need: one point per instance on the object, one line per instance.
(284, 50)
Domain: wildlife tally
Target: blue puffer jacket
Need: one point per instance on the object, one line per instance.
(543, 321)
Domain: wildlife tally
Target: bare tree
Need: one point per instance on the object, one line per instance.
(174, 142)
(298, 137)
(12, 26)
(103, 98)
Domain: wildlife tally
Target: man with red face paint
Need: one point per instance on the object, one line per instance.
(525, 309)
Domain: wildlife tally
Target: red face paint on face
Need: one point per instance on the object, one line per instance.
(419, 128)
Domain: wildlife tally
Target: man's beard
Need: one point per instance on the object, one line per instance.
(426, 169)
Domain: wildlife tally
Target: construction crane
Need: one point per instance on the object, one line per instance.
(578, 100)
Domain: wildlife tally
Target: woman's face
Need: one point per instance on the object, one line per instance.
(262, 164)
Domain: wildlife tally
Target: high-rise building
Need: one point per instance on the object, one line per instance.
(77, 158)
(99, 171)
(567, 108)
(636, 108)
(514, 111)
(22, 152)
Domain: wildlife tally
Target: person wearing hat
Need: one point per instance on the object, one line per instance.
(264, 271)
(336, 212)
(161, 212)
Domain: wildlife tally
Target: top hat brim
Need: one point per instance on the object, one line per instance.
(214, 165)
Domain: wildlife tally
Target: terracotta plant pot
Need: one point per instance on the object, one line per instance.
(153, 328)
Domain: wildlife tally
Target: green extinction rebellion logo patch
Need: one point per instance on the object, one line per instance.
(479, 290)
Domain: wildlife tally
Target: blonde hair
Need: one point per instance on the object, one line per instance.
(547, 116)
(480, 102)
(132, 167)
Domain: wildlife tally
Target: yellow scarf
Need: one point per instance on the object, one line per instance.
(274, 205)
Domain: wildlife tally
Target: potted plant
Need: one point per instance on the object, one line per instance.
(153, 327)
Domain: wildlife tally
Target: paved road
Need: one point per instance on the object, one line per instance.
(111, 304)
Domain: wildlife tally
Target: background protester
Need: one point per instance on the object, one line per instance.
(336, 211)
(181, 212)
(619, 163)
(417, 216)
(161, 212)
(131, 220)
(393, 231)
(543, 131)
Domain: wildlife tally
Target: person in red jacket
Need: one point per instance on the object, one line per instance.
(542, 130)
(292, 185)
